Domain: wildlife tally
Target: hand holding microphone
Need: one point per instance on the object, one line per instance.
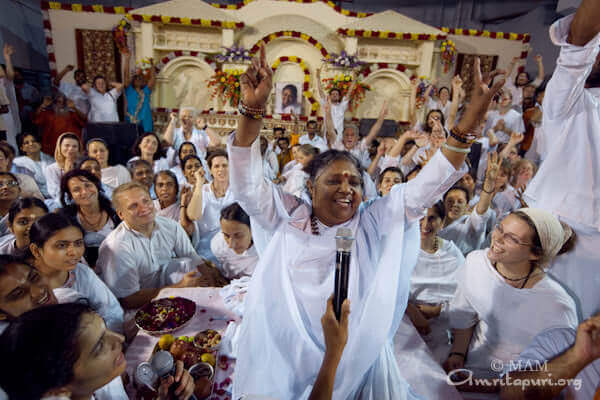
(343, 241)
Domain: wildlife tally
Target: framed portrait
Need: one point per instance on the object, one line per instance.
(288, 97)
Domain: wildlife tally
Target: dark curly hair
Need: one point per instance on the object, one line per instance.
(37, 366)
(136, 146)
(322, 160)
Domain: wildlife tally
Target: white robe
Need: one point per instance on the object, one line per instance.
(506, 319)
(296, 181)
(295, 276)
(433, 282)
(173, 211)
(36, 169)
(468, 231)
(115, 175)
(231, 264)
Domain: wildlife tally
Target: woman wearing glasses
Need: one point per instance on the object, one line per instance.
(504, 297)
(9, 192)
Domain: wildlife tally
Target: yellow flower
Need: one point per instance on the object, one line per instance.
(222, 79)
(237, 84)
(315, 106)
(347, 79)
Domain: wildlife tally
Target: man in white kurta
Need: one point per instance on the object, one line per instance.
(567, 183)
(281, 342)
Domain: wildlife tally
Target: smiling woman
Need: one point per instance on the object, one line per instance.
(57, 246)
(21, 216)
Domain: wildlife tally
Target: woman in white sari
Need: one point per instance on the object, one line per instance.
(295, 274)
(504, 297)
(32, 160)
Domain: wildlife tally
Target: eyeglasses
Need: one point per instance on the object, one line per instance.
(509, 237)
(8, 184)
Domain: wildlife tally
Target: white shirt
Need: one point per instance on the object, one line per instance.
(129, 261)
(85, 281)
(567, 182)
(103, 107)
(295, 181)
(548, 345)
(337, 114)
(231, 264)
(468, 231)
(53, 173)
(36, 169)
(317, 141)
(513, 122)
(517, 92)
(75, 93)
(115, 175)
(437, 105)
(199, 138)
(360, 151)
(173, 211)
(210, 223)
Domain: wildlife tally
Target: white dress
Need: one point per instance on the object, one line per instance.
(115, 175)
(231, 264)
(433, 282)
(295, 181)
(198, 137)
(337, 115)
(506, 319)
(36, 169)
(468, 231)
(103, 107)
(513, 122)
(295, 276)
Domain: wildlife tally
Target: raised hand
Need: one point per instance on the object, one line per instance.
(493, 166)
(516, 138)
(421, 139)
(587, 342)
(334, 331)
(186, 195)
(384, 109)
(173, 116)
(457, 83)
(538, 58)
(69, 67)
(257, 82)
(381, 149)
(499, 125)
(200, 179)
(8, 51)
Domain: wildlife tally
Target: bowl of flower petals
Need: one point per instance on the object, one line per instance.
(165, 315)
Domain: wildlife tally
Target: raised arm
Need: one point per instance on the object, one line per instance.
(489, 184)
(184, 220)
(586, 23)
(62, 74)
(456, 90)
(513, 142)
(194, 208)
(322, 93)
(377, 125)
(428, 91)
(540, 65)
(213, 137)
(405, 137)
(561, 370)
(511, 69)
(375, 161)
(8, 52)
(170, 129)
(353, 85)
(118, 86)
(256, 84)
(126, 69)
(330, 133)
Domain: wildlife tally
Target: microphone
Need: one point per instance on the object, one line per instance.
(161, 366)
(343, 243)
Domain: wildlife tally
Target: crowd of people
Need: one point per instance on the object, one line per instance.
(477, 224)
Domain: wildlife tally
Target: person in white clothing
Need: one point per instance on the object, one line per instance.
(270, 160)
(232, 245)
(433, 283)
(295, 273)
(568, 359)
(500, 288)
(93, 166)
(337, 103)
(567, 181)
(312, 137)
(193, 171)
(442, 103)
(167, 189)
(67, 152)
(519, 80)
(112, 175)
(295, 182)
(93, 371)
(505, 120)
(32, 160)
(103, 101)
(75, 91)
(12, 119)
(21, 216)
(207, 201)
(147, 148)
(134, 258)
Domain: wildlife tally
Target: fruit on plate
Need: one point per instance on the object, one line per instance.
(208, 358)
(166, 341)
(179, 348)
(207, 340)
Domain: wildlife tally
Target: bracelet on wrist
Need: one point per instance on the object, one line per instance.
(251, 112)
(465, 150)
(465, 138)
(485, 191)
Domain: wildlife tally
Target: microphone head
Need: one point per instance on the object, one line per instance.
(162, 362)
(344, 239)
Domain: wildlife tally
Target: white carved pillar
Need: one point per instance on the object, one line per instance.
(426, 49)
(227, 37)
(147, 32)
(351, 45)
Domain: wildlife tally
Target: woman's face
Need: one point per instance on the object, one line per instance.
(506, 99)
(511, 241)
(220, 168)
(455, 204)
(468, 182)
(166, 191)
(303, 159)
(186, 150)
(100, 85)
(98, 151)
(287, 97)
(9, 188)
(83, 191)
(389, 179)
(336, 193)
(524, 174)
(444, 95)
(522, 79)
(190, 168)
(22, 224)
(433, 117)
(237, 235)
(501, 180)
(22, 289)
(93, 167)
(430, 224)
(149, 145)
(513, 155)
(101, 357)
(63, 250)
(30, 145)
(69, 148)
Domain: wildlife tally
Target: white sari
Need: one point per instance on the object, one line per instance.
(295, 275)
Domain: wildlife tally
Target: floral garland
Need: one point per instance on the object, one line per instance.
(389, 35)
(233, 54)
(343, 82)
(524, 37)
(120, 33)
(292, 34)
(165, 19)
(181, 53)
(343, 60)
(448, 54)
(314, 104)
(376, 66)
(331, 4)
(226, 84)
